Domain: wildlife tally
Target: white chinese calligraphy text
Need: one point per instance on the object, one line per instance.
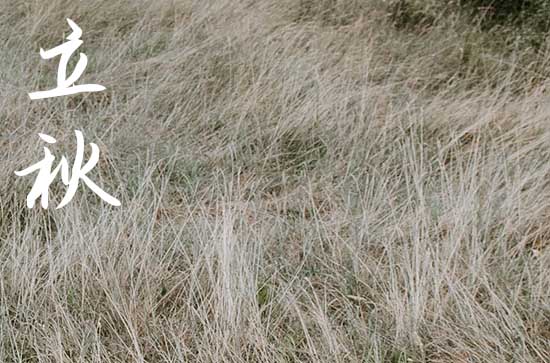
(65, 85)
(46, 176)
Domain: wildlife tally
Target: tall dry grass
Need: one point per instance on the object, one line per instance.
(301, 182)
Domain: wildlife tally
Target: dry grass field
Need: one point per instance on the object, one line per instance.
(301, 181)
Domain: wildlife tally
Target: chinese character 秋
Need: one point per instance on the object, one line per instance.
(46, 175)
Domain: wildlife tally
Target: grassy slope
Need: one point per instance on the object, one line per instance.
(301, 182)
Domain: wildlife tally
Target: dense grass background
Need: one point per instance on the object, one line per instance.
(302, 181)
